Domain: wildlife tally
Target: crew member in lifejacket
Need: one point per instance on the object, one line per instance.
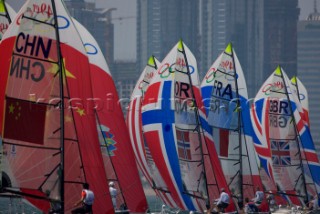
(87, 198)
(259, 197)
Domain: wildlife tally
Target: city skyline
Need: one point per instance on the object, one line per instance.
(124, 19)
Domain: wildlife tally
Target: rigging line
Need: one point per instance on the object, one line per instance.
(297, 134)
(196, 110)
(29, 195)
(220, 98)
(62, 106)
(283, 138)
(248, 158)
(30, 146)
(190, 161)
(193, 195)
(308, 165)
(161, 189)
(7, 14)
(288, 115)
(277, 92)
(110, 158)
(239, 124)
(35, 58)
(48, 175)
(39, 21)
(233, 177)
(225, 73)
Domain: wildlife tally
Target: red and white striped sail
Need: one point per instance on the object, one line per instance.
(140, 146)
(49, 149)
(115, 144)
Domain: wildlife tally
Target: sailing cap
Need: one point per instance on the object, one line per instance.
(111, 184)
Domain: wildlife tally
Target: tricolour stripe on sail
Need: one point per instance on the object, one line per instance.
(226, 101)
(158, 126)
(117, 152)
(140, 146)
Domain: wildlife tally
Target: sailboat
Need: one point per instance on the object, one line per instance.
(115, 144)
(50, 145)
(168, 111)
(140, 146)
(286, 139)
(225, 98)
(300, 90)
(6, 16)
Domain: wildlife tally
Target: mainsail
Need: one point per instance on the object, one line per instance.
(226, 102)
(114, 140)
(140, 146)
(287, 137)
(7, 14)
(48, 128)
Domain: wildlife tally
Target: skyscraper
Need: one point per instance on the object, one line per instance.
(98, 22)
(308, 67)
(160, 25)
(259, 31)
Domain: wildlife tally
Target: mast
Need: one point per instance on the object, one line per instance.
(7, 14)
(62, 130)
(239, 126)
(198, 126)
(297, 137)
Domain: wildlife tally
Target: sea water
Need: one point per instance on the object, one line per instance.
(16, 206)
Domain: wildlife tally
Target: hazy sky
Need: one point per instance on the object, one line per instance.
(125, 29)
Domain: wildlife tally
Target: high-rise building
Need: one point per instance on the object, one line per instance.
(308, 68)
(98, 23)
(125, 77)
(280, 35)
(160, 25)
(259, 32)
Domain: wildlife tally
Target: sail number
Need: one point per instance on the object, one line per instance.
(34, 46)
(279, 113)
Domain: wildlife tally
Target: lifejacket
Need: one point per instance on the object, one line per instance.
(89, 198)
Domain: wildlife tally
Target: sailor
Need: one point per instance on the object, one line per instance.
(250, 206)
(259, 197)
(87, 198)
(113, 192)
(223, 201)
(271, 200)
(314, 204)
